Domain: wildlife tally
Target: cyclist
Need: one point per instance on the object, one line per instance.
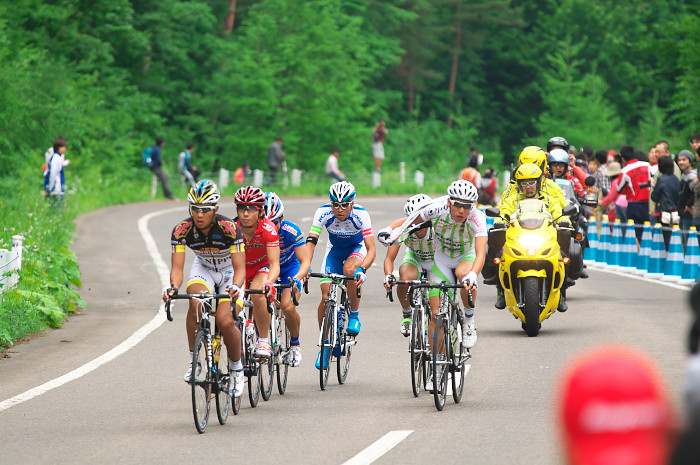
(350, 249)
(529, 180)
(418, 257)
(220, 264)
(295, 261)
(262, 255)
(460, 247)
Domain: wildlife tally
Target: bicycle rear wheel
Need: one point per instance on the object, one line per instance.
(281, 351)
(417, 350)
(327, 329)
(440, 361)
(253, 372)
(223, 400)
(267, 365)
(459, 354)
(201, 381)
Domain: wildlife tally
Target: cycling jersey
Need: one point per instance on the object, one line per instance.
(454, 239)
(420, 248)
(291, 237)
(344, 234)
(214, 250)
(265, 236)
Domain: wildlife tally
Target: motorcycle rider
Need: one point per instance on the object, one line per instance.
(530, 185)
(561, 143)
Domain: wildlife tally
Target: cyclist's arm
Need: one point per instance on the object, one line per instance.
(391, 254)
(273, 256)
(311, 241)
(177, 263)
(304, 254)
(238, 262)
(371, 252)
(480, 249)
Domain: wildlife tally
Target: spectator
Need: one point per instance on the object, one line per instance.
(241, 173)
(157, 166)
(614, 409)
(474, 153)
(665, 195)
(471, 172)
(489, 186)
(695, 144)
(184, 164)
(634, 183)
(695, 186)
(378, 137)
(275, 156)
(653, 157)
(597, 165)
(686, 197)
(55, 179)
(613, 197)
(332, 170)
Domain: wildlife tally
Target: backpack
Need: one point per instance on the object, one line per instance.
(146, 157)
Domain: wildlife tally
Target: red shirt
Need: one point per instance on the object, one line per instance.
(633, 174)
(265, 236)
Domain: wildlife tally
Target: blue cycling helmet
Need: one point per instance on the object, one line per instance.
(274, 209)
(342, 191)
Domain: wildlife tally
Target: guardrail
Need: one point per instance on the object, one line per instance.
(10, 263)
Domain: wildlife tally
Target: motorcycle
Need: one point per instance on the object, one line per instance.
(531, 268)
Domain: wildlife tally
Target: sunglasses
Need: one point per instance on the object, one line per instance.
(528, 183)
(458, 204)
(340, 205)
(246, 208)
(198, 209)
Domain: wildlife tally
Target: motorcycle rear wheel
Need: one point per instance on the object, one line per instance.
(531, 309)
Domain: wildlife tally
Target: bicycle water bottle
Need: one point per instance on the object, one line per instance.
(341, 318)
(250, 330)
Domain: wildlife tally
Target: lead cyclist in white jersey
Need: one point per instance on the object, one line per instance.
(460, 245)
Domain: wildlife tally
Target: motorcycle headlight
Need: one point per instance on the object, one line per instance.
(531, 242)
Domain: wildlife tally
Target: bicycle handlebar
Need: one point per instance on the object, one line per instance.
(201, 296)
(333, 277)
(289, 285)
(419, 284)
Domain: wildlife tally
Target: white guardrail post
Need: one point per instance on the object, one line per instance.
(11, 260)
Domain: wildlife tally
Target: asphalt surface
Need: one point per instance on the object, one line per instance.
(135, 408)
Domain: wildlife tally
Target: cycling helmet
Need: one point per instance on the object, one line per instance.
(250, 195)
(342, 191)
(533, 154)
(416, 202)
(528, 172)
(273, 207)
(557, 142)
(463, 190)
(558, 156)
(204, 192)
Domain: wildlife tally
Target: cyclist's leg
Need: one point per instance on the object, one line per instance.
(350, 265)
(225, 319)
(200, 279)
(291, 316)
(407, 271)
(260, 313)
(469, 329)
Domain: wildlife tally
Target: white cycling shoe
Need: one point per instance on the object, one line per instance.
(469, 336)
(188, 373)
(295, 356)
(236, 383)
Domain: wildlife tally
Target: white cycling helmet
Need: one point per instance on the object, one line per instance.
(416, 202)
(463, 190)
(274, 209)
(342, 191)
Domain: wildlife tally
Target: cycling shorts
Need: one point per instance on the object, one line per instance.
(215, 281)
(250, 273)
(289, 271)
(335, 258)
(444, 266)
(411, 258)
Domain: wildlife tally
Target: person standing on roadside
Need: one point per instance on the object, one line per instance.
(378, 136)
(54, 176)
(184, 164)
(275, 156)
(157, 166)
(332, 170)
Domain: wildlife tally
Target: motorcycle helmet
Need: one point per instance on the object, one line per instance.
(558, 142)
(528, 172)
(533, 154)
(558, 156)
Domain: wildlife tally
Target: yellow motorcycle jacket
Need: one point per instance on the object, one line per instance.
(551, 188)
(549, 193)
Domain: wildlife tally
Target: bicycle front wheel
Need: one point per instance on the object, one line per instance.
(223, 380)
(343, 361)
(201, 381)
(440, 361)
(417, 350)
(281, 350)
(267, 365)
(327, 336)
(459, 355)
(253, 373)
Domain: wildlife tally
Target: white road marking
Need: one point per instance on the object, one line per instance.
(379, 447)
(681, 287)
(138, 336)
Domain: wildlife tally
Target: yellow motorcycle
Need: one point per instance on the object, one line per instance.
(531, 268)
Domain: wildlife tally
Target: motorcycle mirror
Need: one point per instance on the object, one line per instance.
(590, 181)
(493, 212)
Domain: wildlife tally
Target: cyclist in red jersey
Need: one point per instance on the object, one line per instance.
(262, 255)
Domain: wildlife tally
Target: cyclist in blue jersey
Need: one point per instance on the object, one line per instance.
(350, 249)
(295, 262)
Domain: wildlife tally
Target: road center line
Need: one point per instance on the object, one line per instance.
(138, 336)
(379, 447)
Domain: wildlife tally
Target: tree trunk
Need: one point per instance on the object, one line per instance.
(455, 60)
(230, 17)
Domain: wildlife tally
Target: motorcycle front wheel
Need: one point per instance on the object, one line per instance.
(531, 309)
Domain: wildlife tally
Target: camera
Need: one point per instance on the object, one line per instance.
(645, 185)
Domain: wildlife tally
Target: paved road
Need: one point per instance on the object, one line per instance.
(135, 408)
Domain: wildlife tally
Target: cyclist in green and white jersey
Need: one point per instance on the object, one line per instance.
(418, 257)
(460, 245)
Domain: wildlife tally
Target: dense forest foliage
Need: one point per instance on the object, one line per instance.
(230, 75)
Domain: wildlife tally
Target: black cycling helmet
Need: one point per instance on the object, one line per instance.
(558, 142)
